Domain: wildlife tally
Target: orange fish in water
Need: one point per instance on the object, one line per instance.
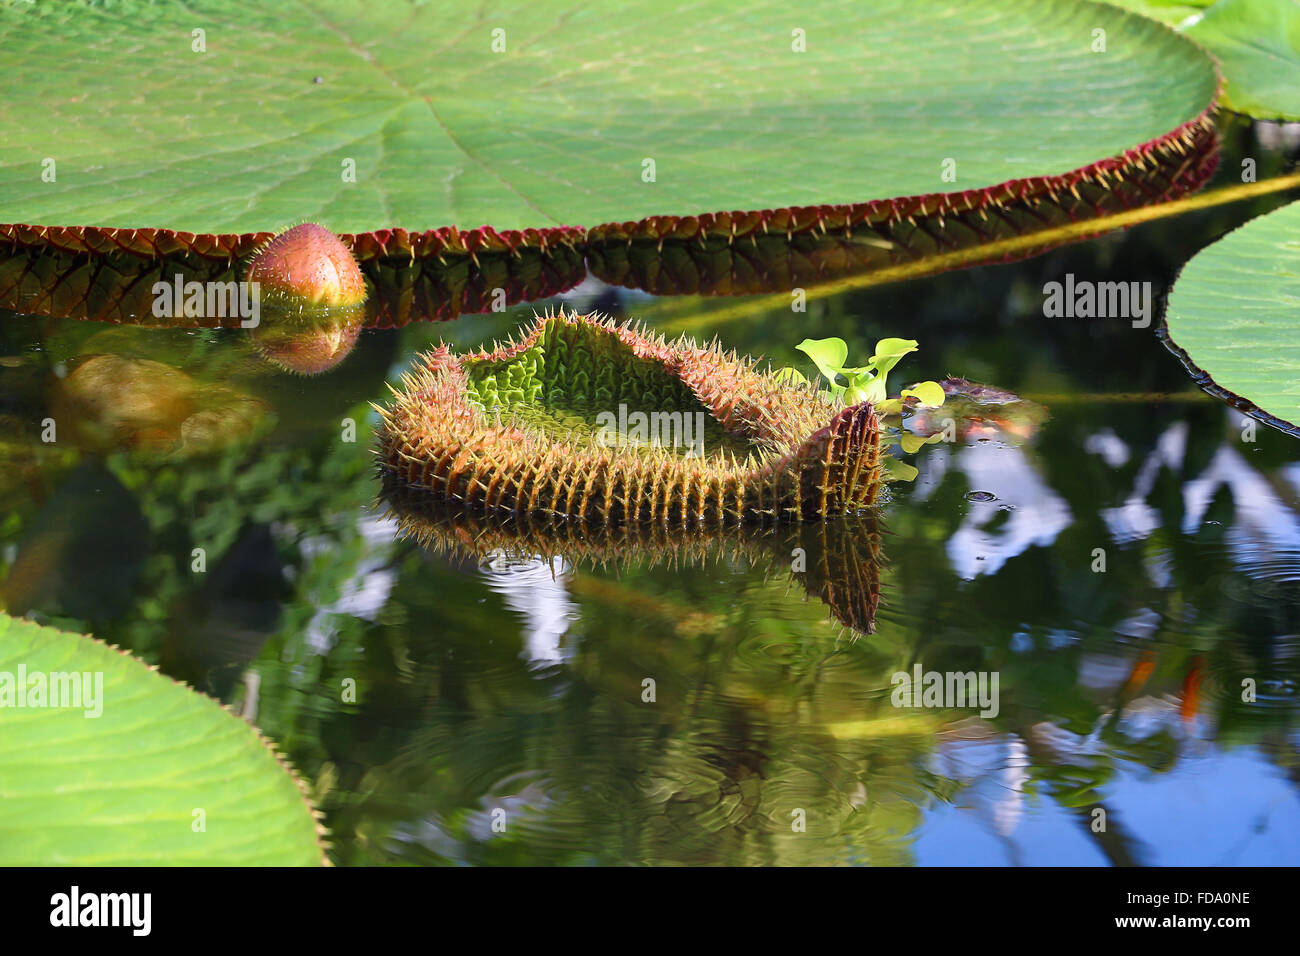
(1138, 677)
(980, 412)
(1192, 690)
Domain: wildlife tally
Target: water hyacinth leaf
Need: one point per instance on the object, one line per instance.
(896, 470)
(829, 355)
(862, 389)
(870, 383)
(929, 394)
(890, 406)
(889, 352)
(211, 124)
(1232, 317)
(911, 443)
(161, 776)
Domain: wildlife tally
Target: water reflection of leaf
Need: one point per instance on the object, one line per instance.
(114, 402)
(838, 561)
(81, 555)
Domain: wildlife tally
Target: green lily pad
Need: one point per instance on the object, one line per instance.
(1258, 46)
(583, 114)
(1257, 43)
(144, 771)
(1173, 13)
(1234, 317)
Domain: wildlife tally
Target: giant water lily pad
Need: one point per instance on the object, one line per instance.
(602, 423)
(1257, 44)
(118, 287)
(161, 776)
(146, 135)
(1233, 317)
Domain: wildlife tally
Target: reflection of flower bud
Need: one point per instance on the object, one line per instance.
(308, 342)
(308, 265)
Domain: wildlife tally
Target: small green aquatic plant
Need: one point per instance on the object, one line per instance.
(865, 383)
(869, 383)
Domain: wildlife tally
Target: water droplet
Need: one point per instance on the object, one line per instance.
(981, 496)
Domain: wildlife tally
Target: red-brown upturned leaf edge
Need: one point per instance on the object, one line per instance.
(1132, 166)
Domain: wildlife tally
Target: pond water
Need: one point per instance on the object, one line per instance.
(1119, 550)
